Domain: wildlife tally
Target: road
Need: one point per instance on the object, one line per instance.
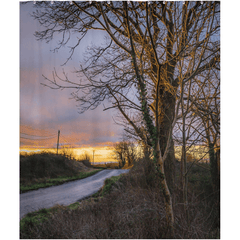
(66, 193)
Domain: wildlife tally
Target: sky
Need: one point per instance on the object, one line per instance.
(44, 111)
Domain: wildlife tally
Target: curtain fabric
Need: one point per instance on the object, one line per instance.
(45, 111)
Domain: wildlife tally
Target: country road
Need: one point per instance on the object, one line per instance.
(66, 193)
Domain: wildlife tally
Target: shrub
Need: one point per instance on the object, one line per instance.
(46, 169)
(45, 165)
(85, 159)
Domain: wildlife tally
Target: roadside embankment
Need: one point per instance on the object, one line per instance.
(41, 170)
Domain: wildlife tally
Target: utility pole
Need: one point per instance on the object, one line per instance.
(58, 140)
(93, 156)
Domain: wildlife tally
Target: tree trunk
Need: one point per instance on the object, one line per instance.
(169, 166)
(214, 168)
(184, 158)
(165, 127)
(168, 206)
(215, 176)
(166, 194)
(218, 164)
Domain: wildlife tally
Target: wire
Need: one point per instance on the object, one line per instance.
(39, 136)
(37, 139)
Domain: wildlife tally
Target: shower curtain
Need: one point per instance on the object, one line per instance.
(122, 82)
(45, 111)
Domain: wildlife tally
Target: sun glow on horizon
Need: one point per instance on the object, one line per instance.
(34, 140)
(96, 154)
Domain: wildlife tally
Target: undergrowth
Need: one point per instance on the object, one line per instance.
(132, 206)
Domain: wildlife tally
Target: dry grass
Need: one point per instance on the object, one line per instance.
(134, 208)
(118, 216)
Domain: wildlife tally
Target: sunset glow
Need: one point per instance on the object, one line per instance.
(37, 140)
(101, 154)
(44, 111)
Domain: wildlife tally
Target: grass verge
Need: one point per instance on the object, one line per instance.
(35, 219)
(55, 181)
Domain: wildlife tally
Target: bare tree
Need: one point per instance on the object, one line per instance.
(137, 70)
(200, 103)
(126, 153)
(208, 109)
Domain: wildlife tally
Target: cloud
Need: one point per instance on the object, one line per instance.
(80, 130)
(43, 110)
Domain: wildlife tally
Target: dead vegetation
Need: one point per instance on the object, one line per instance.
(133, 208)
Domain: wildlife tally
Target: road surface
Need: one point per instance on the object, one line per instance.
(66, 193)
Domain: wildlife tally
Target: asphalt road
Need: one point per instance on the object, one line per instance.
(66, 193)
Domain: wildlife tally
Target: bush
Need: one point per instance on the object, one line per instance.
(67, 151)
(45, 165)
(47, 169)
(86, 163)
(85, 159)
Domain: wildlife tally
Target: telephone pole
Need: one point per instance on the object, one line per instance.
(93, 156)
(58, 140)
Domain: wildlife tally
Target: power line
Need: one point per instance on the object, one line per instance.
(38, 136)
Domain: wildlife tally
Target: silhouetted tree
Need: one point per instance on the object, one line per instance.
(126, 153)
